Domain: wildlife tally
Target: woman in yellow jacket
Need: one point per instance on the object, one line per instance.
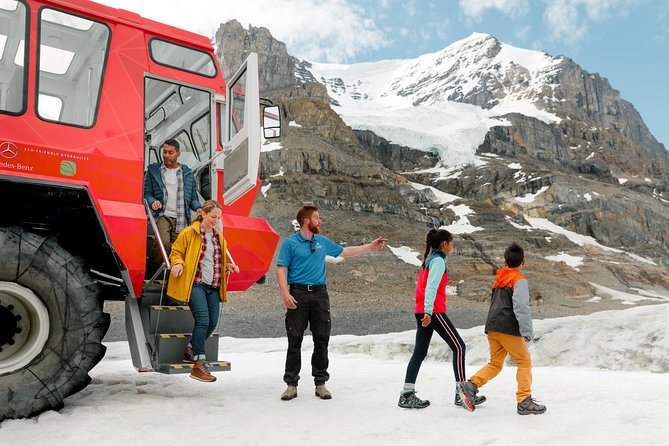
(198, 277)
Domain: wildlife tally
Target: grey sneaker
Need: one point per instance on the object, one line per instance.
(289, 393)
(409, 400)
(467, 391)
(322, 392)
(529, 406)
(478, 400)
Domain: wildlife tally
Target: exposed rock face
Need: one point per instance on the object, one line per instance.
(393, 156)
(526, 137)
(323, 162)
(576, 167)
(277, 68)
(589, 98)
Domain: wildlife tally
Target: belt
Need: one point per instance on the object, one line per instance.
(309, 288)
(208, 285)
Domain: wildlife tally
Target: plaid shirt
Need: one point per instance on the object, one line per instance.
(216, 282)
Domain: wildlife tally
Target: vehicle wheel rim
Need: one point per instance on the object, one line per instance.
(24, 326)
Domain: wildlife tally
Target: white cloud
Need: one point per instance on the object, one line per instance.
(317, 30)
(569, 20)
(474, 9)
(440, 28)
(563, 20)
(522, 32)
(410, 7)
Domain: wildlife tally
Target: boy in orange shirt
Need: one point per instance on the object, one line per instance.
(509, 328)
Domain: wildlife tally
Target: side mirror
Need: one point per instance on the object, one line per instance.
(271, 122)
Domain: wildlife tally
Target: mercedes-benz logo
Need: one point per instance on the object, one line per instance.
(8, 150)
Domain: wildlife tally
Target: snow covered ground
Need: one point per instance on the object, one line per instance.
(604, 378)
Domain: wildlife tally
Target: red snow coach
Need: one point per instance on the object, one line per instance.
(88, 95)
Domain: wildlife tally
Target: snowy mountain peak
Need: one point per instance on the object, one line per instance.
(444, 101)
(479, 70)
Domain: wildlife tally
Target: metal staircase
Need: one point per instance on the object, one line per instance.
(166, 328)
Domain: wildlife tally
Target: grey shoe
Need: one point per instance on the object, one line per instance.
(478, 400)
(322, 392)
(467, 391)
(289, 393)
(409, 400)
(530, 407)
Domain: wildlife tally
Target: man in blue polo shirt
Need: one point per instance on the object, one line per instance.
(301, 276)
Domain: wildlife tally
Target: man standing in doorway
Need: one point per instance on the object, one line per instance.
(170, 190)
(302, 282)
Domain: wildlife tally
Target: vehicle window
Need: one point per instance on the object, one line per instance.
(181, 112)
(236, 166)
(156, 118)
(188, 156)
(220, 107)
(201, 132)
(13, 29)
(50, 107)
(171, 104)
(237, 106)
(72, 55)
(182, 58)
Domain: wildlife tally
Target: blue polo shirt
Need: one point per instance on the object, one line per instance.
(304, 266)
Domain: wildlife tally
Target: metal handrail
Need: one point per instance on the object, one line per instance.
(163, 251)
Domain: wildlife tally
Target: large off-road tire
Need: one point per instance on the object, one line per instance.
(51, 324)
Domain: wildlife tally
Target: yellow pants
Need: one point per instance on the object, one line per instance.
(500, 345)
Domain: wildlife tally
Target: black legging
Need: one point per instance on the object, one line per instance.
(442, 325)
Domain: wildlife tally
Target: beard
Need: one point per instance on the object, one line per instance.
(314, 228)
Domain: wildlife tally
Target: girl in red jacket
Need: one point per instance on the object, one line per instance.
(431, 316)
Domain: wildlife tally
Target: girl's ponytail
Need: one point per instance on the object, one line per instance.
(433, 239)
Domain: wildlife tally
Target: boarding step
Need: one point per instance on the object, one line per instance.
(172, 369)
(170, 318)
(169, 348)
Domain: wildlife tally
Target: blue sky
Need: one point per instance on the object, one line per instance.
(626, 41)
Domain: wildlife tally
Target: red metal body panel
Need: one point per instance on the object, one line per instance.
(252, 242)
(244, 204)
(109, 157)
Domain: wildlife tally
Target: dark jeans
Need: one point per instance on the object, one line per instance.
(205, 305)
(313, 309)
(442, 325)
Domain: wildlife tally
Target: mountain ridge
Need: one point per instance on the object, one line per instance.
(587, 165)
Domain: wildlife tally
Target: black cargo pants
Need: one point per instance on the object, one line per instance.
(313, 309)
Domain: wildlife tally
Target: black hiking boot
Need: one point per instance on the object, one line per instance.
(409, 400)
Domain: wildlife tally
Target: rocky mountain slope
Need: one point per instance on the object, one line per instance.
(562, 164)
